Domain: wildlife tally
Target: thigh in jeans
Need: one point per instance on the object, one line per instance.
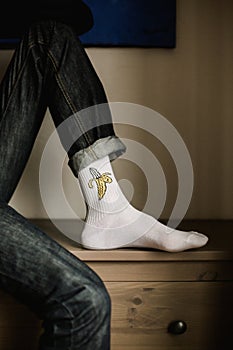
(57, 286)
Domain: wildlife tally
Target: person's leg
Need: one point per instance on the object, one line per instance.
(111, 221)
(72, 85)
(63, 291)
(68, 295)
(50, 68)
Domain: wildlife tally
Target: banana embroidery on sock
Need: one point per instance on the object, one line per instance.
(101, 181)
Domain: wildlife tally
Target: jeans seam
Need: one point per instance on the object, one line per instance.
(68, 100)
(15, 83)
(19, 74)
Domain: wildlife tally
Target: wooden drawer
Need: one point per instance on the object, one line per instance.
(141, 313)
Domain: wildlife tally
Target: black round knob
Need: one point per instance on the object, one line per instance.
(177, 327)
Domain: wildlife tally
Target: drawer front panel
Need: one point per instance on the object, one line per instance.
(141, 313)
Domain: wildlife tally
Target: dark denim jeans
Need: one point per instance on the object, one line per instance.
(50, 69)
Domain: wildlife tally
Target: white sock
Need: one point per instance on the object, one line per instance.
(112, 222)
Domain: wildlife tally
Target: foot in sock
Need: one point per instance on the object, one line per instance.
(112, 222)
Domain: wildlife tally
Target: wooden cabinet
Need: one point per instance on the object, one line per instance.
(160, 301)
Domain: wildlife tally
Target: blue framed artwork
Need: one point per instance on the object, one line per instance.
(127, 23)
(143, 23)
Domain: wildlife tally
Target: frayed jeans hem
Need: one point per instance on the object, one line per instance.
(110, 146)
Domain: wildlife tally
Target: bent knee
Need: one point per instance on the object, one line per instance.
(94, 301)
(100, 300)
(82, 295)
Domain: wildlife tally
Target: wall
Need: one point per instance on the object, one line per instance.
(191, 85)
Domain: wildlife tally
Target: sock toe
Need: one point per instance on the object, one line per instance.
(196, 239)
